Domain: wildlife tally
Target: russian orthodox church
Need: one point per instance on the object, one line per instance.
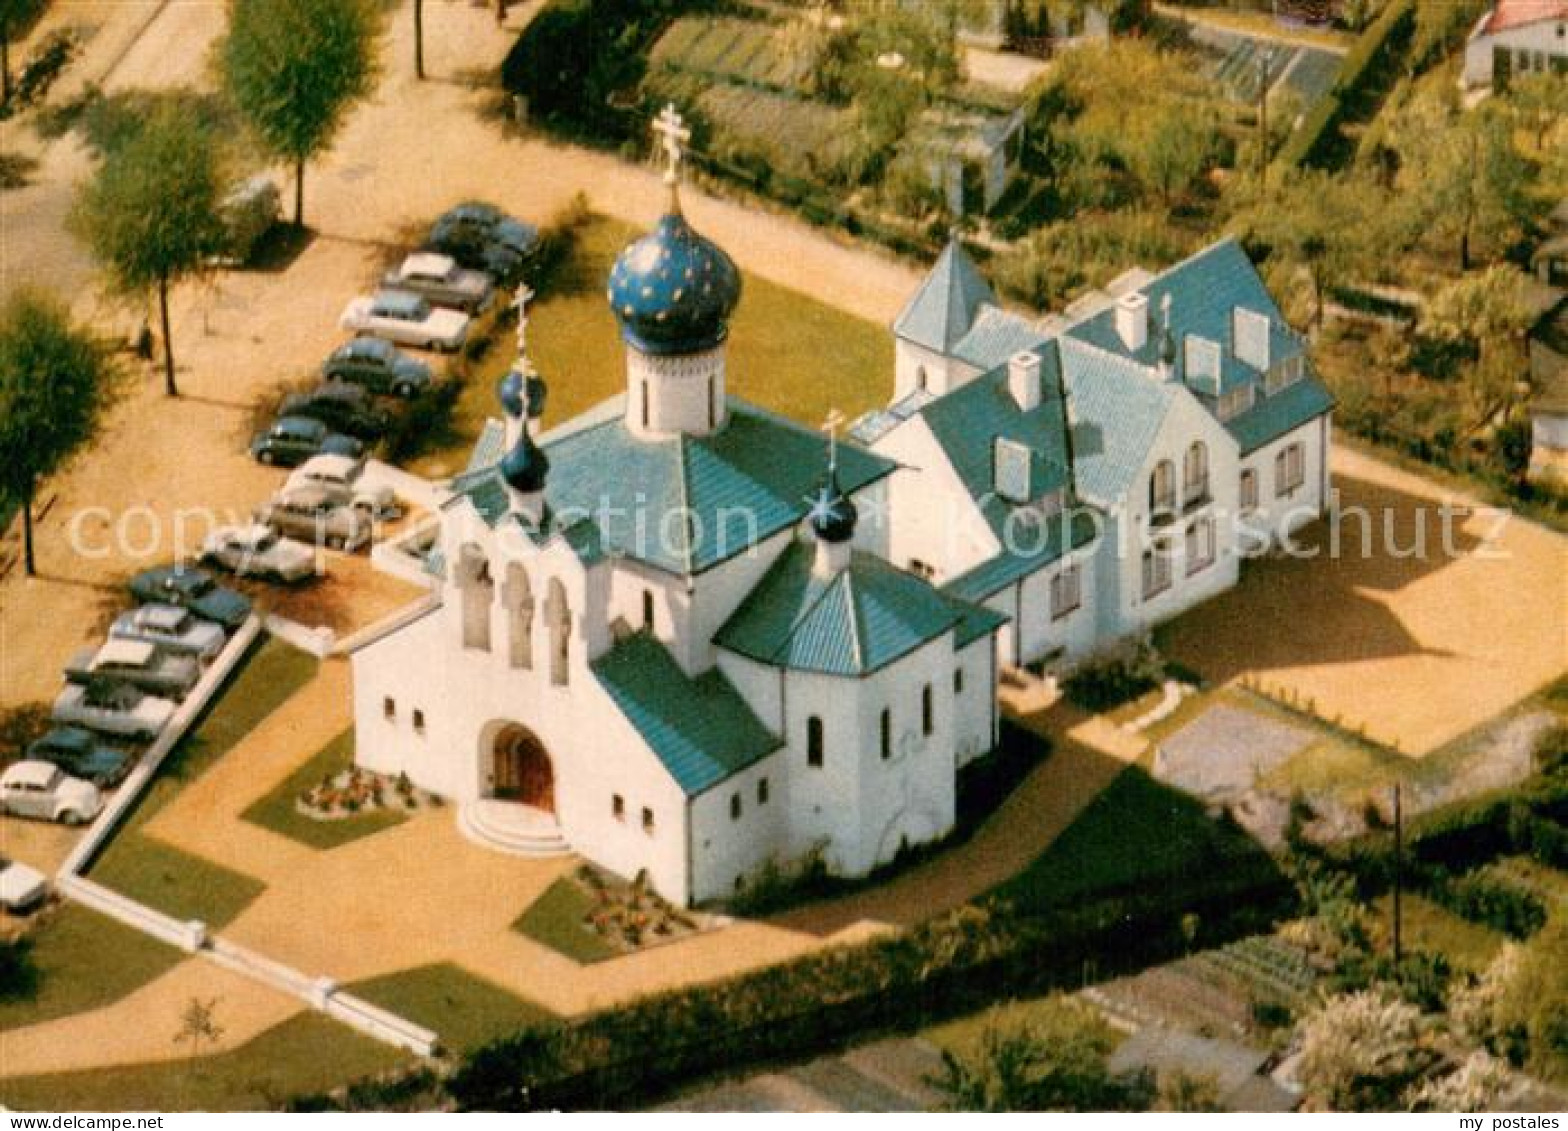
(666, 633)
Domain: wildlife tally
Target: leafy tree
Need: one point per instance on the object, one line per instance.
(1488, 313)
(1539, 102)
(1183, 1091)
(1359, 1052)
(294, 68)
(1056, 1060)
(1518, 1008)
(15, 15)
(199, 1025)
(151, 212)
(1440, 28)
(54, 384)
(1323, 224)
(1476, 1085)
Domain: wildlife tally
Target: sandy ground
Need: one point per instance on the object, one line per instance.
(1418, 650)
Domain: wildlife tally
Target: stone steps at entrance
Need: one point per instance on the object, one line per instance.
(510, 827)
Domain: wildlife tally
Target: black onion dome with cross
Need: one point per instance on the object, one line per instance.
(831, 513)
(521, 392)
(673, 290)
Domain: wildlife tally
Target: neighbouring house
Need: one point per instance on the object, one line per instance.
(1094, 473)
(666, 635)
(1550, 259)
(1038, 24)
(1549, 405)
(1517, 38)
(969, 156)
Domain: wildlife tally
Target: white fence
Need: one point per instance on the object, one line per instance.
(192, 937)
(317, 641)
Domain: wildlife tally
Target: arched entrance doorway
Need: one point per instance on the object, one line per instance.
(520, 769)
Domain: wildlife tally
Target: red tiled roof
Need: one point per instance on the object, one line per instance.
(1517, 13)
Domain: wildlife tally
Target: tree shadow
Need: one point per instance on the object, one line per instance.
(278, 250)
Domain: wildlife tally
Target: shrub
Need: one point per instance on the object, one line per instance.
(1114, 680)
(18, 975)
(19, 727)
(1486, 899)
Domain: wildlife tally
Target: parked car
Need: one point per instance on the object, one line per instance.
(402, 316)
(190, 588)
(134, 663)
(248, 213)
(481, 236)
(311, 514)
(441, 281)
(38, 789)
(81, 754)
(379, 366)
(344, 480)
(293, 439)
(172, 629)
(257, 550)
(341, 407)
(113, 709)
(21, 888)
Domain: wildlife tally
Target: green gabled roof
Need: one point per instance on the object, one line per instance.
(485, 490)
(1272, 416)
(974, 621)
(743, 484)
(861, 619)
(944, 308)
(701, 729)
(996, 336)
(1065, 531)
(1119, 409)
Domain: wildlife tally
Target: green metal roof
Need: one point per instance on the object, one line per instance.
(1063, 532)
(944, 308)
(1119, 409)
(1272, 416)
(861, 619)
(701, 729)
(743, 484)
(996, 336)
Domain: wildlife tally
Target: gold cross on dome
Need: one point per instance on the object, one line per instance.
(835, 420)
(674, 135)
(525, 294)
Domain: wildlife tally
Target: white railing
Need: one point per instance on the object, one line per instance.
(317, 641)
(192, 936)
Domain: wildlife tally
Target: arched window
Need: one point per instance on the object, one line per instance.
(478, 592)
(887, 733)
(927, 721)
(646, 409)
(647, 609)
(713, 403)
(517, 598)
(920, 378)
(558, 614)
(814, 742)
(1162, 488)
(1195, 478)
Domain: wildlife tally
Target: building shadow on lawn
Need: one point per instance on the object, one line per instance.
(1290, 611)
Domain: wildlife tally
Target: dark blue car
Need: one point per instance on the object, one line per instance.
(80, 753)
(193, 589)
(294, 439)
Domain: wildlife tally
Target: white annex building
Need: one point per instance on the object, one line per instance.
(684, 635)
(1516, 39)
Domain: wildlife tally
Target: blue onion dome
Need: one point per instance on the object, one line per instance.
(526, 467)
(511, 393)
(832, 515)
(674, 290)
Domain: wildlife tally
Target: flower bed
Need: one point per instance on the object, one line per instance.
(353, 792)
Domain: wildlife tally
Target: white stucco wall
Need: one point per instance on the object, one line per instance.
(935, 520)
(942, 373)
(727, 848)
(1278, 515)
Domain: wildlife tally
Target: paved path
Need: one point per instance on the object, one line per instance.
(888, 1076)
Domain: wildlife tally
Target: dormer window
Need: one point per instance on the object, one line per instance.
(1013, 470)
(1287, 372)
(1201, 363)
(1235, 402)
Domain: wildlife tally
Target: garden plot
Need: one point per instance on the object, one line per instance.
(1225, 750)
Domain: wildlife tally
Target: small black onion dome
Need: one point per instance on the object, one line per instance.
(674, 290)
(511, 392)
(525, 467)
(833, 516)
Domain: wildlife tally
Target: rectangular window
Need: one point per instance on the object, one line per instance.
(814, 742)
(618, 807)
(927, 712)
(734, 806)
(886, 731)
(1066, 592)
(647, 609)
(1249, 490)
(1200, 546)
(921, 569)
(389, 709)
(1289, 471)
(647, 820)
(762, 791)
(958, 681)
(1156, 572)
(419, 721)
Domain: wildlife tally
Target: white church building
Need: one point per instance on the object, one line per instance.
(683, 635)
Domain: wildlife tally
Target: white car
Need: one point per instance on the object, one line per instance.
(342, 477)
(44, 791)
(406, 318)
(173, 629)
(21, 888)
(113, 709)
(257, 550)
(440, 280)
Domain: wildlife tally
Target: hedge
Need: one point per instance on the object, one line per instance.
(951, 965)
(1356, 73)
(1489, 901)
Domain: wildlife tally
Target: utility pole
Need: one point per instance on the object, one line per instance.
(1265, 61)
(1399, 877)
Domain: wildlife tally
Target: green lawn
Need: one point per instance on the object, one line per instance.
(1138, 834)
(776, 352)
(307, 1053)
(162, 876)
(556, 920)
(1053, 1014)
(276, 811)
(84, 960)
(465, 1009)
(1426, 926)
